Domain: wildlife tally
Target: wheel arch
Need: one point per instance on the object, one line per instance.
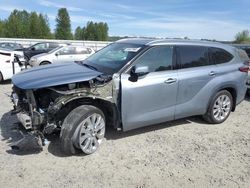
(109, 109)
(231, 89)
(1, 77)
(47, 62)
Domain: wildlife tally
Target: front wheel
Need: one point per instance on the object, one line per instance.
(45, 63)
(83, 130)
(219, 108)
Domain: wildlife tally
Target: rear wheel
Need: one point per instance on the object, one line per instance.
(220, 107)
(82, 130)
(1, 77)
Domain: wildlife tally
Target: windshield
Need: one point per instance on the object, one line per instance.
(113, 57)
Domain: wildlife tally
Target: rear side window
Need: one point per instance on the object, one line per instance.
(80, 50)
(193, 56)
(219, 56)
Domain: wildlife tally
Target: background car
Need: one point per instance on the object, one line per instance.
(61, 55)
(6, 66)
(10, 45)
(246, 48)
(39, 48)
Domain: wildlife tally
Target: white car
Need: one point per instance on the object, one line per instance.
(7, 58)
(61, 54)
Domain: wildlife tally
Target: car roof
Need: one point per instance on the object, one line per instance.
(155, 42)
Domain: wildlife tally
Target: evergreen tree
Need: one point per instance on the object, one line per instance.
(96, 31)
(45, 32)
(63, 26)
(78, 33)
(2, 28)
(34, 26)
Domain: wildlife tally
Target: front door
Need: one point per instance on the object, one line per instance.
(152, 98)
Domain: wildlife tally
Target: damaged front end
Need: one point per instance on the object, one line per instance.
(42, 111)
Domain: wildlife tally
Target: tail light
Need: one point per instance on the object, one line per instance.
(244, 69)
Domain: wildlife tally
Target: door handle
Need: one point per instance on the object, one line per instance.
(212, 73)
(170, 80)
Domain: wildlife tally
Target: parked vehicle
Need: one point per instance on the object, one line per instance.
(39, 48)
(10, 45)
(61, 55)
(246, 48)
(7, 57)
(129, 84)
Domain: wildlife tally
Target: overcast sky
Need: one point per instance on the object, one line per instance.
(211, 19)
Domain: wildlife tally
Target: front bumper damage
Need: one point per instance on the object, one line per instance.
(32, 139)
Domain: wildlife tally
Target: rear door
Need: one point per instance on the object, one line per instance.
(195, 74)
(152, 98)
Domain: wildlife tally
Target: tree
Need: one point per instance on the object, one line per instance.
(242, 37)
(45, 32)
(96, 31)
(17, 24)
(34, 26)
(63, 26)
(78, 33)
(2, 28)
(89, 31)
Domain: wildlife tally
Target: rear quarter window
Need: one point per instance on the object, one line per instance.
(243, 55)
(219, 56)
(192, 56)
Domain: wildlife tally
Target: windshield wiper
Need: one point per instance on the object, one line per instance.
(89, 66)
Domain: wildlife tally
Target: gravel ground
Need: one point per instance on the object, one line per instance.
(183, 153)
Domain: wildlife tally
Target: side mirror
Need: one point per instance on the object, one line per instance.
(33, 49)
(136, 72)
(56, 54)
(141, 71)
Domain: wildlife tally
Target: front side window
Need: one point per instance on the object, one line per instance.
(157, 58)
(193, 56)
(219, 56)
(40, 46)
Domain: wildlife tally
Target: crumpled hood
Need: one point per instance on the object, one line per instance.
(53, 75)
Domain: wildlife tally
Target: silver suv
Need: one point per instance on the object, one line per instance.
(130, 84)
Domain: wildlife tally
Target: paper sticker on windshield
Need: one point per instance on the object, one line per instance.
(131, 49)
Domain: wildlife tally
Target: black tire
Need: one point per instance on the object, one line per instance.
(248, 92)
(44, 63)
(209, 116)
(1, 77)
(71, 124)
